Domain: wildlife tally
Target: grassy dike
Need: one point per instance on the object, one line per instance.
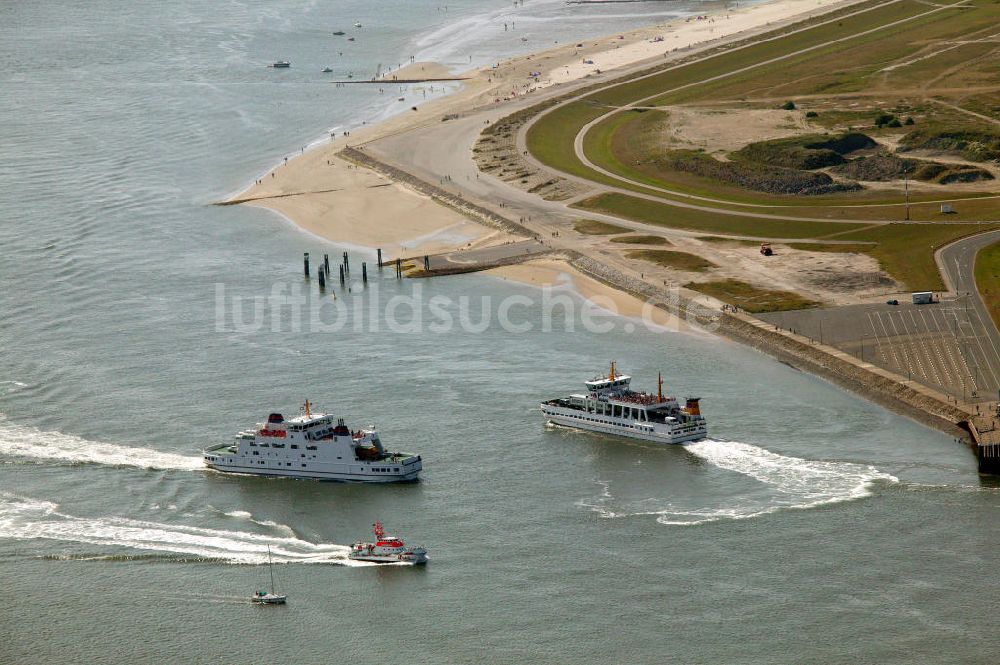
(621, 143)
(988, 279)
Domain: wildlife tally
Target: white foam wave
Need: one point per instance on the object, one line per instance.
(29, 519)
(244, 515)
(30, 442)
(792, 483)
(469, 33)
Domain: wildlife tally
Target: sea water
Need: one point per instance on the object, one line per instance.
(140, 324)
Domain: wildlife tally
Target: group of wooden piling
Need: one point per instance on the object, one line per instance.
(323, 272)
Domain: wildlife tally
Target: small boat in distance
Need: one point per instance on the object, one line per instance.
(357, 25)
(387, 549)
(340, 33)
(280, 64)
(327, 70)
(610, 406)
(269, 598)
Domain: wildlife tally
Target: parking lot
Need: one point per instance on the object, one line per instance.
(944, 345)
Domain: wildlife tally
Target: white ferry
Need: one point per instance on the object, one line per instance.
(387, 549)
(310, 445)
(611, 407)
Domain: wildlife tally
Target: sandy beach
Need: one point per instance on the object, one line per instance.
(343, 203)
(559, 274)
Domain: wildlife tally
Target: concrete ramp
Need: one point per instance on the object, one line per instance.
(475, 260)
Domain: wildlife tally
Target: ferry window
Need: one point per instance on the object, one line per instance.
(295, 446)
(396, 469)
(288, 464)
(256, 452)
(303, 466)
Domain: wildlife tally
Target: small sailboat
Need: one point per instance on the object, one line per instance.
(269, 598)
(340, 33)
(327, 70)
(357, 25)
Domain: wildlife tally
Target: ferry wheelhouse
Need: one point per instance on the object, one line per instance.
(387, 549)
(313, 445)
(612, 407)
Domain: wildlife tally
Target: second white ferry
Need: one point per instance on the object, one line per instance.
(310, 445)
(612, 407)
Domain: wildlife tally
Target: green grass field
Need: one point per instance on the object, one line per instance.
(894, 68)
(641, 240)
(670, 259)
(661, 214)
(906, 251)
(750, 298)
(988, 279)
(592, 227)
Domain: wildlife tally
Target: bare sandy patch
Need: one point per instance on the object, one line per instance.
(359, 207)
(838, 278)
(721, 130)
(558, 273)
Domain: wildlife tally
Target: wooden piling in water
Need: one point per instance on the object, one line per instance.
(399, 269)
(322, 279)
(347, 265)
(364, 272)
(305, 263)
(341, 275)
(379, 258)
(326, 264)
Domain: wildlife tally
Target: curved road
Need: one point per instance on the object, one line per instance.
(977, 333)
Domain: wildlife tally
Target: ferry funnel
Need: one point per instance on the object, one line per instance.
(692, 406)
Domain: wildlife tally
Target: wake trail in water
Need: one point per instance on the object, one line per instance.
(29, 519)
(789, 483)
(30, 442)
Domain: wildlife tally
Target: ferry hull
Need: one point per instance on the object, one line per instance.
(415, 560)
(569, 418)
(334, 476)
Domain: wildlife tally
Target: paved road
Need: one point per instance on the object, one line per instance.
(941, 345)
(487, 256)
(957, 262)
(952, 345)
